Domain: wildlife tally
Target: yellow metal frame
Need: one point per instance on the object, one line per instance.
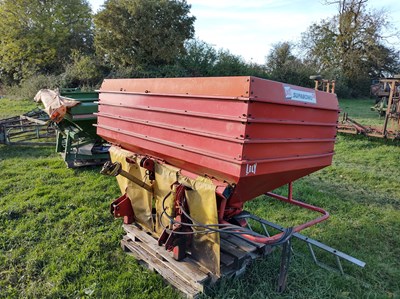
(200, 195)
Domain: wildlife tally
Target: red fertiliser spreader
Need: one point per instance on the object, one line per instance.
(189, 152)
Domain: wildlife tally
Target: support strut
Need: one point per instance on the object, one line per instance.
(284, 268)
(114, 169)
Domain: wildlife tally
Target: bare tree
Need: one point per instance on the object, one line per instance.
(351, 44)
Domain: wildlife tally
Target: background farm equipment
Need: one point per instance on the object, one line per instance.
(72, 114)
(387, 106)
(77, 140)
(189, 152)
(31, 128)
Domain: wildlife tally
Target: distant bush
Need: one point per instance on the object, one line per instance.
(28, 87)
(84, 70)
(283, 66)
(202, 59)
(341, 87)
(160, 71)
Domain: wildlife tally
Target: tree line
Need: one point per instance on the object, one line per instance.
(62, 43)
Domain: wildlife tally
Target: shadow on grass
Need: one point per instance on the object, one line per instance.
(18, 151)
(37, 153)
(359, 108)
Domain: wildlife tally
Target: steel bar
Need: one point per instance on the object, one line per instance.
(313, 242)
(114, 169)
(389, 106)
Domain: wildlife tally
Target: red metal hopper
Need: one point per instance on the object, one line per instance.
(253, 133)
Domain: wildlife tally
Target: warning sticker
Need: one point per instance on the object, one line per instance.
(299, 95)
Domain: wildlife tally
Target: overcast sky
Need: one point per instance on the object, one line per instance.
(250, 27)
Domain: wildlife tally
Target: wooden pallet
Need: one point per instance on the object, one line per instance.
(187, 275)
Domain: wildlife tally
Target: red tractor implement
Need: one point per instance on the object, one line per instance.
(387, 105)
(189, 152)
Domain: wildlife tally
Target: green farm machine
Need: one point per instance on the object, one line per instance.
(69, 118)
(76, 139)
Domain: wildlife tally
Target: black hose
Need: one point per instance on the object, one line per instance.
(237, 230)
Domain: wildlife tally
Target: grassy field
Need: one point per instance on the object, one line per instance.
(359, 109)
(10, 108)
(58, 239)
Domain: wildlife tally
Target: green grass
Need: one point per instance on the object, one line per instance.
(58, 239)
(11, 108)
(360, 110)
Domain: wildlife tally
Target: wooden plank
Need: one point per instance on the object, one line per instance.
(188, 276)
(187, 268)
(157, 265)
(226, 260)
(233, 251)
(151, 244)
(241, 242)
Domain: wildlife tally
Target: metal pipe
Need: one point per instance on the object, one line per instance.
(114, 169)
(221, 211)
(289, 199)
(290, 191)
(389, 106)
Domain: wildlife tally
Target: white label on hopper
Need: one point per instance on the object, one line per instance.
(299, 95)
(251, 168)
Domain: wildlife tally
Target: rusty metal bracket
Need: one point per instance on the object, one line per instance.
(122, 207)
(149, 164)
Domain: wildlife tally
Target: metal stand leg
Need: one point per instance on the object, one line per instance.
(284, 269)
(59, 142)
